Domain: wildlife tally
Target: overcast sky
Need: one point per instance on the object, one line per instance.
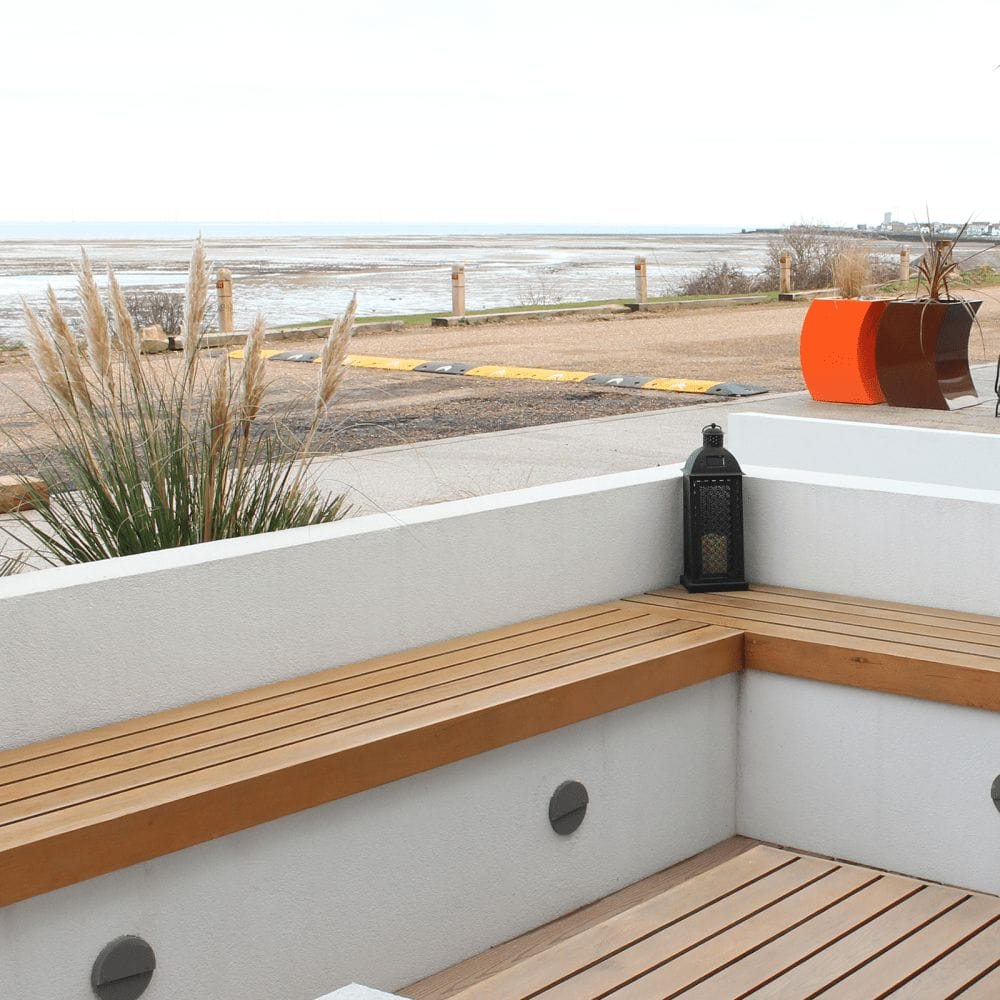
(730, 112)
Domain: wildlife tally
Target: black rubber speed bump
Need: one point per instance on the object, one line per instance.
(735, 389)
(623, 381)
(445, 367)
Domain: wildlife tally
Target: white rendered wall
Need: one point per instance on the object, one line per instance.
(894, 541)
(911, 454)
(874, 778)
(87, 645)
(398, 882)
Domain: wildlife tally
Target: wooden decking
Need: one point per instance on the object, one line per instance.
(946, 656)
(769, 924)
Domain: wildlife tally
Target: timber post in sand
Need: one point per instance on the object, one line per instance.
(458, 290)
(641, 287)
(224, 293)
(785, 260)
(904, 264)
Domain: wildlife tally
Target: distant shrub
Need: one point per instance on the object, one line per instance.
(154, 308)
(721, 278)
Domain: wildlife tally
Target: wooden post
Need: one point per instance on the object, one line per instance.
(458, 290)
(224, 293)
(785, 260)
(904, 264)
(641, 287)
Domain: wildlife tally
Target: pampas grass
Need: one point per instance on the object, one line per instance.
(95, 321)
(160, 457)
(331, 371)
(195, 303)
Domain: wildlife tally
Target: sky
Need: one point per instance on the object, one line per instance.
(577, 113)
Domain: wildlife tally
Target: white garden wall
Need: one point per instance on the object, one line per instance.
(894, 541)
(390, 885)
(88, 645)
(393, 884)
(878, 779)
(882, 451)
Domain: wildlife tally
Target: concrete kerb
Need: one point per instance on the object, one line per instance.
(513, 317)
(237, 339)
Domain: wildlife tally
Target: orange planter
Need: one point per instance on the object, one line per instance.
(837, 350)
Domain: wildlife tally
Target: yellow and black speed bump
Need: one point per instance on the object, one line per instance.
(620, 381)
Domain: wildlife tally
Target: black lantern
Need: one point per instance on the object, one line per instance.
(713, 517)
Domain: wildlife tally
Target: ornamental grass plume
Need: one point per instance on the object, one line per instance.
(95, 321)
(852, 271)
(156, 455)
(195, 305)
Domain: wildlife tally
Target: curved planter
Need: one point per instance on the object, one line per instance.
(922, 354)
(837, 350)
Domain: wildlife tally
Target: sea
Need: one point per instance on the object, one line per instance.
(294, 273)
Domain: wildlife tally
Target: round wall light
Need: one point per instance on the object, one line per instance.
(567, 807)
(123, 969)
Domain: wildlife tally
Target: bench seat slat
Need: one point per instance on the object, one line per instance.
(737, 609)
(380, 690)
(523, 633)
(958, 617)
(68, 844)
(917, 621)
(811, 615)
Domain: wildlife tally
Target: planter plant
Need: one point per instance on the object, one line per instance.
(837, 345)
(922, 347)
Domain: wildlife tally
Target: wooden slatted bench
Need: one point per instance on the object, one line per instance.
(766, 924)
(93, 802)
(946, 656)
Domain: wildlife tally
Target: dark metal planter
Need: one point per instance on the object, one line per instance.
(922, 354)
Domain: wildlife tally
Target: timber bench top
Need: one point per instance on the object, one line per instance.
(93, 802)
(768, 924)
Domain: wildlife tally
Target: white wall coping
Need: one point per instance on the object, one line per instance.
(873, 484)
(56, 577)
(911, 454)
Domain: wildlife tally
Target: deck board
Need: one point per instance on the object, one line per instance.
(769, 923)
